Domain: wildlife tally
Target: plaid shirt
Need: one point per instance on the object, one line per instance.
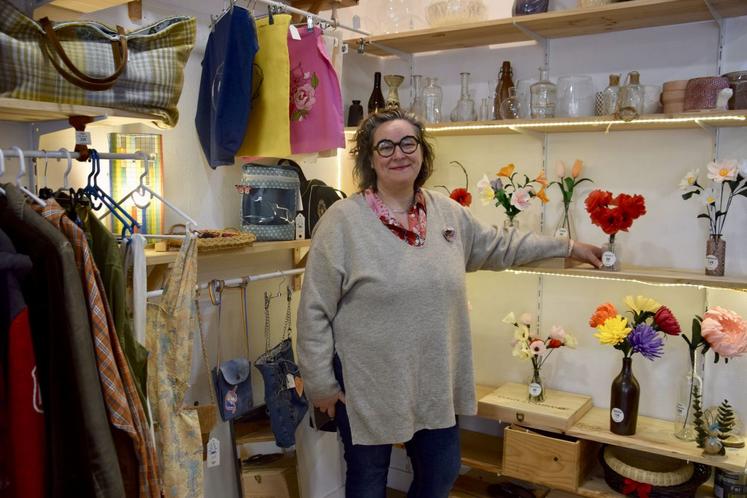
(120, 395)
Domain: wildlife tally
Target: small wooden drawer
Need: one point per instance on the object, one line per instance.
(560, 462)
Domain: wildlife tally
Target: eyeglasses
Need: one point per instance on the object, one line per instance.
(407, 145)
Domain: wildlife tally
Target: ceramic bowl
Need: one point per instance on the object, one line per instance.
(673, 97)
(702, 93)
(674, 85)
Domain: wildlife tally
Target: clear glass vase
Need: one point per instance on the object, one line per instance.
(511, 107)
(715, 256)
(417, 107)
(432, 97)
(543, 96)
(565, 227)
(510, 223)
(611, 255)
(465, 107)
(684, 419)
(535, 388)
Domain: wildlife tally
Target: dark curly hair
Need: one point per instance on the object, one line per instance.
(363, 171)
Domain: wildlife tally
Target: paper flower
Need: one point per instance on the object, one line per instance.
(613, 214)
(602, 313)
(720, 171)
(690, 179)
(644, 339)
(666, 321)
(641, 304)
(520, 199)
(511, 193)
(613, 331)
(725, 332)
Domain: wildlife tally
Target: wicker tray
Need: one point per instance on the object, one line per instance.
(215, 240)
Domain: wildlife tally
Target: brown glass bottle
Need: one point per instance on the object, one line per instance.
(624, 397)
(376, 101)
(505, 81)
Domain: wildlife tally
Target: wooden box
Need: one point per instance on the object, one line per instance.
(559, 462)
(277, 479)
(509, 403)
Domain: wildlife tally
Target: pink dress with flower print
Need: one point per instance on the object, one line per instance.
(315, 101)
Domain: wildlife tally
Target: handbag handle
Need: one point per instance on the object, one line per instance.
(51, 45)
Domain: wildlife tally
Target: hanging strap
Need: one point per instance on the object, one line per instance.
(203, 343)
(245, 316)
(287, 326)
(215, 291)
(267, 322)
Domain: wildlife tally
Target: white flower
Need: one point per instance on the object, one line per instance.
(709, 196)
(560, 168)
(520, 199)
(689, 179)
(743, 168)
(718, 171)
(570, 341)
(485, 191)
(557, 332)
(526, 318)
(509, 319)
(521, 350)
(521, 333)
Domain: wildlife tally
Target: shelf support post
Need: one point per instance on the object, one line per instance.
(541, 40)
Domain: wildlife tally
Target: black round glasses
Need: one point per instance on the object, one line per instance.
(407, 145)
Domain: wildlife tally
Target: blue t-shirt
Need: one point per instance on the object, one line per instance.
(225, 99)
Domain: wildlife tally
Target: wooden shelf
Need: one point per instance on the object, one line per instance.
(314, 6)
(481, 451)
(558, 24)
(636, 274)
(87, 5)
(253, 432)
(654, 436)
(31, 110)
(160, 258)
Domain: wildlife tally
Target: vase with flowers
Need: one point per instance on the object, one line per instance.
(567, 184)
(642, 333)
(528, 345)
(729, 178)
(725, 333)
(460, 195)
(613, 214)
(513, 194)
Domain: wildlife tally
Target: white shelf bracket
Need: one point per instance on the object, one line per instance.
(539, 135)
(714, 13)
(541, 40)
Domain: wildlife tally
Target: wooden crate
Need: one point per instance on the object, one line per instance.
(559, 411)
(277, 479)
(559, 462)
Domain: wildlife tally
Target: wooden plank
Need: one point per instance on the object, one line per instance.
(654, 436)
(31, 110)
(325, 4)
(253, 432)
(558, 412)
(87, 5)
(481, 451)
(154, 258)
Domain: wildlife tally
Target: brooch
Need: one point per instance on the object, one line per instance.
(449, 233)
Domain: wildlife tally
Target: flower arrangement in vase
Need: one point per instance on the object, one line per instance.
(643, 333)
(725, 333)
(460, 195)
(613, 214)
(508, 191)
(567, 184)
(528, 345)
(729, 178)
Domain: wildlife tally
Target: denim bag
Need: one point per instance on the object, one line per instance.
(232, 378)
(286, 403)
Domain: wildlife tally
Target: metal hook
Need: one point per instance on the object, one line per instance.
(309, 24)
(69, 166)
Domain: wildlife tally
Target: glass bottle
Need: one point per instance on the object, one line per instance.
(432, 96)
(630, 103)
(543, 96)
(393, 81)
(417, 107)
(505, 81)
(465, 107)
(524, 7)
(355, 113)
(376, 101)
(511, 107)
(692, 384)
(624, 396)
(610, 96)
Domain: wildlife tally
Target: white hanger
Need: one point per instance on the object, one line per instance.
(142, 189)
(2, 168)
(69, 166)
(22, 172)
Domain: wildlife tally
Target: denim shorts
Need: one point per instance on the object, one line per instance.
(284, 405)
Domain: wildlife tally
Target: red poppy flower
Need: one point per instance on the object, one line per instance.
(614, 214)
(462, 196)
(667, 323)
(554, 343)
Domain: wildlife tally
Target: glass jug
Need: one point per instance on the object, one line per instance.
(432, 96)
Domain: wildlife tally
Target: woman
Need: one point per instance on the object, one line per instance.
(384, 343)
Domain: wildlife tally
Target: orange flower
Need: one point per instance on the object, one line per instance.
(576, 170)
(541, 195)
(541, 179)
(507, 170)
(602, 313)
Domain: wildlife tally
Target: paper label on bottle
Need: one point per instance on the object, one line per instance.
(617, 415)
(82, 138)
(609, 258)
(711, 262)
(213, 452)
(535, 389)
(561, 232)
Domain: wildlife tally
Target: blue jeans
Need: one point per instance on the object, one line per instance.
(434, 454)
(285, 407)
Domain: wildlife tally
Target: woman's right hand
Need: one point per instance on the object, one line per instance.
(327, 405)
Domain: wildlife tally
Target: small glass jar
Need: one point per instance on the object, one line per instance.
(630, 103)
(417, 107)
(465, 107)
(543, 96)
(511, 107)
(610, 96)
(432, 97)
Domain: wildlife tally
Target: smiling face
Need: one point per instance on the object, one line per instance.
(398, 171)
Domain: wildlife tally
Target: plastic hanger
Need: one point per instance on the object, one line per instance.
(92, 189)
(21, 173)
(45, 192)
(2, 169)
(68, 169)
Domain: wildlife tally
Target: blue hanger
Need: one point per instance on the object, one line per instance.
(92, 189)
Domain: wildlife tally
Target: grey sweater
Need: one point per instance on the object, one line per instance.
(397, 314)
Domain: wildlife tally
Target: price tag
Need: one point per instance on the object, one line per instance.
(300, 226)
(608, 259)
(294, 32)
(711, 262)
(617, 415)
(535, 389)
(561, 232)
(82, 138)
(213, 452)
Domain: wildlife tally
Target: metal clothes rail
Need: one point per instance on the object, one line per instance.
(316, 17)
(235, 282)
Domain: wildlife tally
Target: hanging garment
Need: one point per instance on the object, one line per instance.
(225, 100)
(169, 339)
(286, 403)
(268, 131)
(21, 409)
(333, 44)
(316, 121)
(125, 410)
(82, 458)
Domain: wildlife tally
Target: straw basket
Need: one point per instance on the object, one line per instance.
(215, 240)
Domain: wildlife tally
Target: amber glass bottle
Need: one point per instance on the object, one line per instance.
(505, 81)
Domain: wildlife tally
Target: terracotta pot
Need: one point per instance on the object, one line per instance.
(673, 97)
(674, 85)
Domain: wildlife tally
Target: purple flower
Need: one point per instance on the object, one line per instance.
(646, 341)
(496, 184)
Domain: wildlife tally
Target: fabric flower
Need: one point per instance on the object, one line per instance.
(541, 179)
(521, 333)
(554, 343)
(541, 195)
(507, 170)
(690, 179)
(484, 190)
(641, 304)
(666, 322)
(613, 331)
(521, 350)
(720, 171)
(560, 168)
(709, 196)
(646, 341)
(509, 319)
(462, 196)
(725, 331)
(557, 332)
(598, 199)
(602, 313)
(570, 341)
(537, 347)
(526, 318)
(520, 199)
(496, 184)
(576, 170)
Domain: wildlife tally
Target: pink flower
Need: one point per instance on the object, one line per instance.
(526, 318)
(303, 97)
(537, 347)
(557, 332)
(560, 168)
(725, 331)
(520, 199)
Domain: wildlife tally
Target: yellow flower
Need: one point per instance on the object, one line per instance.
(570, 341)
(541, 195)
(613, 331)
(486, 196)
(541, 179)
(641, 304)
(507, 170)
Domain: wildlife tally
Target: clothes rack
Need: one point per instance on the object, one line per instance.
(55, 154)
(316, 17)
(235, 282)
